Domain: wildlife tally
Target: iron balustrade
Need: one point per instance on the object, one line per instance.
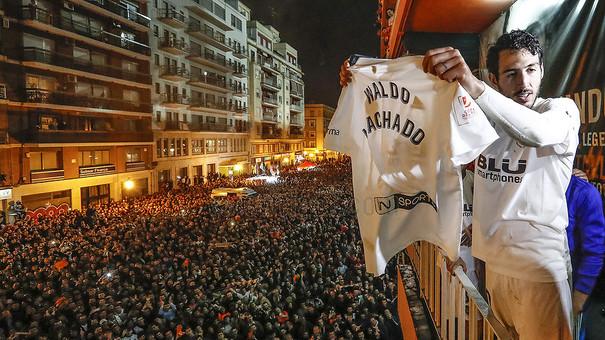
(67, 23)
(200, 78)
(167, 98)
(44, 96)
(169, 13)
(122, 11)
(67, 61)
(174, 71)
(174, 43)
(212, 105)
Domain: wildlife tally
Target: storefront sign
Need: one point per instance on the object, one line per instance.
(97, 170)
(6, 194)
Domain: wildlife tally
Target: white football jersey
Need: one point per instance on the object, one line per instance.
(407, 133)
(519, 208)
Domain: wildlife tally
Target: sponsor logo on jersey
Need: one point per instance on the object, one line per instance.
(384, 205)
(501, 170)
(465, 111)
(334, 132)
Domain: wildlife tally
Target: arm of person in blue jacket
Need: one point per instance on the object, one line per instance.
(590, 229)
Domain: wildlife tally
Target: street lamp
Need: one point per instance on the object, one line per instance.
(129, 184)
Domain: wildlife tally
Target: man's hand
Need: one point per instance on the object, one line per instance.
(450, 266)
(447, 64)
(578, 301)
(345, 74)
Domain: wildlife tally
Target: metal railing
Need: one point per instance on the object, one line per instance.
(167, 98)
(195, 27)
(211, 105)
(68, 61)
(214, 81)
(169, 13)
(33, 95)
(122, 11)
(270, 100)
(68, 24)
(456, 306)
(271, 82)
(174, 71)
(174, 43)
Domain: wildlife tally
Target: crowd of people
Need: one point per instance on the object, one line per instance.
(285, 264)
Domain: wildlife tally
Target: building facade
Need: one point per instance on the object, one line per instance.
(75, 114)
(317, 120)
(200, 88)
(276, 99)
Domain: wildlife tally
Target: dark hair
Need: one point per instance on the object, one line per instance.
(514, 40)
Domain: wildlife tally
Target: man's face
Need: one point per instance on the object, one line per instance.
(519, 76)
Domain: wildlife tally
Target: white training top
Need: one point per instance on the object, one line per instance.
(519, 208)
(407, 133)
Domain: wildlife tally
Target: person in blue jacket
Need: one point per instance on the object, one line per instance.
(586, 238)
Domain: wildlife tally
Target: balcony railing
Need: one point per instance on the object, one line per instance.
(37, 176)
(67, 61)
(239, 90)
(77, 136)
(174, 72)
(297, 107)
(122, 11)
(68, 24)
(240, 108)
(33, 95)
(239, 51)
(443, 291)
(212, 105)
(215, 38)
(174, 45)
(174, 99)
(213, 127)
(176, 125)
(172, 17)
(200, 78)
(271, 82)
(238, 70)
(269, 117)
(270, 100)
(297, 121)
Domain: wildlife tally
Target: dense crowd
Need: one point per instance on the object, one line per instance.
(284, 264)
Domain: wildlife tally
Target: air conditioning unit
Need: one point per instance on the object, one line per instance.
(2, 91)
(68, 5)
(72, 79)
(6, 23)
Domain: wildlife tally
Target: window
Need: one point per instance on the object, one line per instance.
(131, 96)
(98, 58)
(222, 145)
(37, 42)
(236, 23)
(210, 146)
(43, 160)
(40, 82)
(158, 148)
(156, 31)
(133, 155)
(197, 146)
(157, 88)
(156, 60)
(94, 157)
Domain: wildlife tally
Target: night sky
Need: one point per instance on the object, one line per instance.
(324, 32)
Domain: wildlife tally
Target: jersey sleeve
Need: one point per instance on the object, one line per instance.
(470, 131)
(339, 136)
(555, 126)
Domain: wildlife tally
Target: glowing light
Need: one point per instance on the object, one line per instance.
(237, 167)
(129, 184)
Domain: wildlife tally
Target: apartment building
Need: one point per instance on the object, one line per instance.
(317, 120)
(276, 98)
(75, 91)
(200, 88)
